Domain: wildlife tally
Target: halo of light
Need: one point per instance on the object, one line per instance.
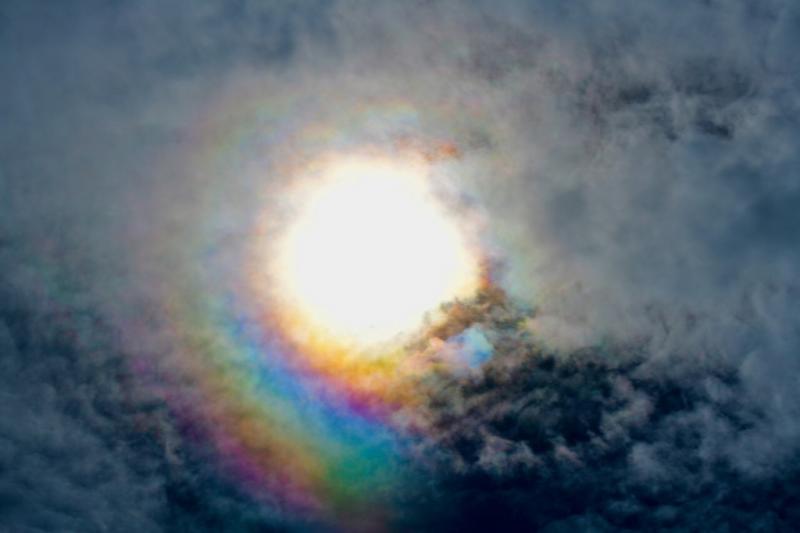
(304, 426)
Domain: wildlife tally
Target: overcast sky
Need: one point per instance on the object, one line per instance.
(636, 168)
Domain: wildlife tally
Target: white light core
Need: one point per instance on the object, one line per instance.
(370, 252)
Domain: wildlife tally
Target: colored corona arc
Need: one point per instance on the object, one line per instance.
(296, 333)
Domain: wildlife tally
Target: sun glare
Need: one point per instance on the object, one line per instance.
(370, 252)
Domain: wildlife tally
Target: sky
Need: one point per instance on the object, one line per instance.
(629, 171)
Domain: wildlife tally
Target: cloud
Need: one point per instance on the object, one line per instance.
(637, 167)
(71, 457)
(596, 442)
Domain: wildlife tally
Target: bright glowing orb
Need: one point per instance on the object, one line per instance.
(371, 251)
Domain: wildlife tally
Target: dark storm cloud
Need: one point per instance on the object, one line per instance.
(595, 442)
(639, 166)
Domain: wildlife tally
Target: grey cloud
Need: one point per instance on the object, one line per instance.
(637, 162)
(542, 440)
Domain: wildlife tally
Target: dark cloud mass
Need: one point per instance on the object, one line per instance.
(636, 359)
(597, 442)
